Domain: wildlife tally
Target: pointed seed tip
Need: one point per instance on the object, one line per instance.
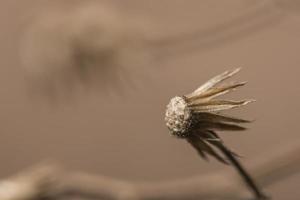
(249, 101)
(232, 72)
(236, 70)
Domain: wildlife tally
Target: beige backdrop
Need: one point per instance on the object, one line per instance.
(124, 135)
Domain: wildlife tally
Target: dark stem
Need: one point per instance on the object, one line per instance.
(242, 171)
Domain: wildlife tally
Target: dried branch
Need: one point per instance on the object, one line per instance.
(50, 183)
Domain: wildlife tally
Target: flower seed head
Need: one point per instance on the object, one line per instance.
(200, 111)
(197, 116)
(178, 116)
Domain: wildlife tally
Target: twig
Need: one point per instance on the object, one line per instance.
(49, 182)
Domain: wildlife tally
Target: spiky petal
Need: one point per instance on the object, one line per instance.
(214, 81)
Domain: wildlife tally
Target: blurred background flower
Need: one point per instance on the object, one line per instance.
(95, 44)
(86, 46)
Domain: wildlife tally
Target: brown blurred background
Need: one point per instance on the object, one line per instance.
(122, 133)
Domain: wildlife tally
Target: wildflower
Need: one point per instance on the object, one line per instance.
(196, 116)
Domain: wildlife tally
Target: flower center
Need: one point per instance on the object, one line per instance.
(178, 116)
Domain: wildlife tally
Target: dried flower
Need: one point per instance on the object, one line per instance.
(195, 117)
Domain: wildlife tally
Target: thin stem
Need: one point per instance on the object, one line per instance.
(242, 171)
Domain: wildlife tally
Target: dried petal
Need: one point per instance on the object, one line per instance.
(220, 118)
(219, 126)
(218, 105)
(215, 92)
(203, 147)
(215, 80)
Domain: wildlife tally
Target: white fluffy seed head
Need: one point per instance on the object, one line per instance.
(178, 116)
